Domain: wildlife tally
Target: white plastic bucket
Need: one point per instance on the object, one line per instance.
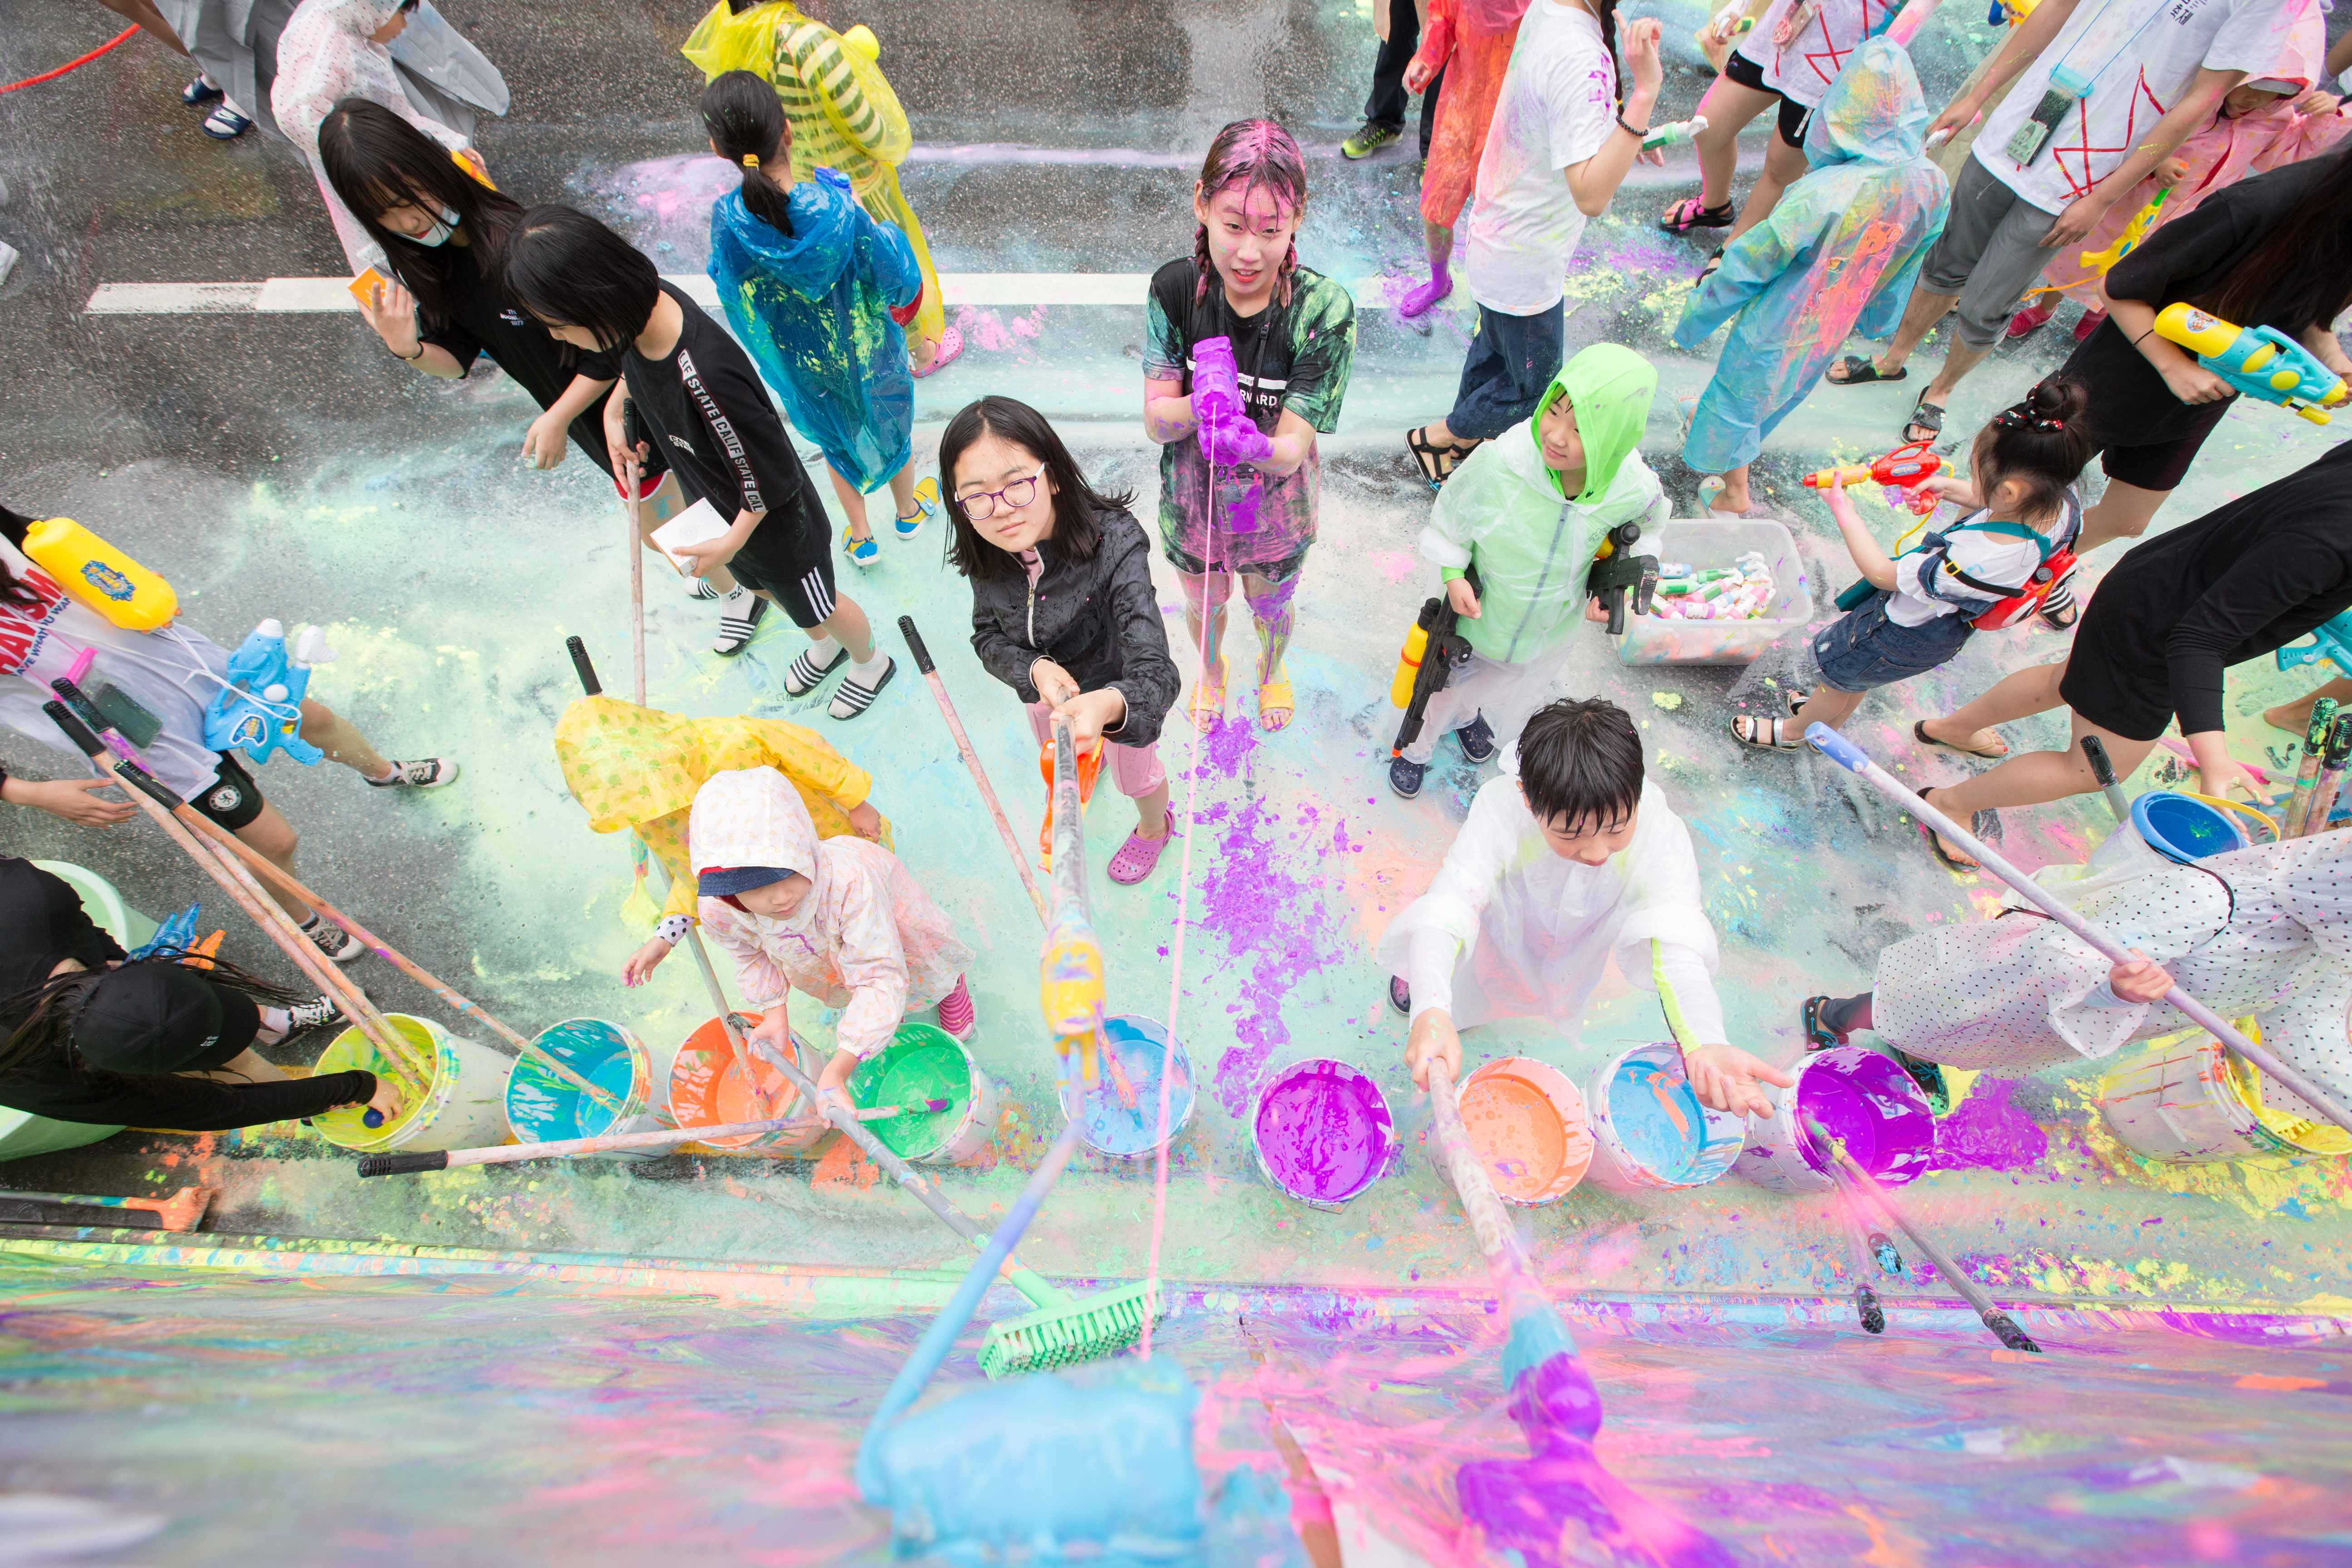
(1525, 1118)
(542, 1108)
(1658, 640)
(464, 1106)
(1108, 1124)
(1650, 1133)
(923, 1061)
(1863, 1099)
(2179, 1099)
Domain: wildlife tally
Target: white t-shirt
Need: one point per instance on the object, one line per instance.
(2140, 56)
(1558, 105)
(1987, 556)
(1802, 69)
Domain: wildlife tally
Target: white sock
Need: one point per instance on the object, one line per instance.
(870, 672)
(274, 1023)
(732, 594)
(821, 650)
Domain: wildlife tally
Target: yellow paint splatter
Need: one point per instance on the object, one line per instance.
(1669, 701)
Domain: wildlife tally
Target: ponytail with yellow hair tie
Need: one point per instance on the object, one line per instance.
(750, 160)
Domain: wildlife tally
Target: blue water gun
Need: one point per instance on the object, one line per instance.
(260, 706)
(2260, 362)
(178, 935)
(2330, 640)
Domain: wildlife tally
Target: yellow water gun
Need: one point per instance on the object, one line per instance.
(2134, 232)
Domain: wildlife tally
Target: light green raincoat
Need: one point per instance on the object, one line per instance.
(1532, 541)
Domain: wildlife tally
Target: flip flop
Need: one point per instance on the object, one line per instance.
(1687, 215)
(1935, 847)
(1274, 697)
(1919, 733)
(1925, 417)
(1856, 371)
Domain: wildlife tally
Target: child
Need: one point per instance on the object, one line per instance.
(807, 280)
(840, 919)
(638, 768)
(1557, 150)
(1292, 336)
(1837, 255)
(700, 398)
(1529, 514)
(172, 673)
(1460, 65)
(1063, 610)
(844, 116)
(2022, 475)
(2262, 930)
(1576, 858)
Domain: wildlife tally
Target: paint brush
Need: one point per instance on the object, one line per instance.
(1863, 1244)
(2306, 773)
(1848, 755)
(2003, 1326)
(971, 758)
(2104, 770)
(183, 1210)
(2331, 775)
(404, 1163)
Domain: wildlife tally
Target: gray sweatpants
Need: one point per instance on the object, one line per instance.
(1989, 254)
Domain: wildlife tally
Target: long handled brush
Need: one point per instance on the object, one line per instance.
(605, 1142)
(2095, 751)
(1847, 755)
(183, 1210)
(971, 759)
(2306, 773)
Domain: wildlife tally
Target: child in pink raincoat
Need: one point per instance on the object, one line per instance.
(840, 919)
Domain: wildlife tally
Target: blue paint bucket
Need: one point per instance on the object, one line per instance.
(2184, 829)
(1650, 1133)
(1108, 1124)
(543, 1109)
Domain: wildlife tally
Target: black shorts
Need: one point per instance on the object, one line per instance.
(1794, 116)
(2163, 464)
(789, 558)
(232, 799)
(2109, 680)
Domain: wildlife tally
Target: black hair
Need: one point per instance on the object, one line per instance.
(748, 127)
(1076, 535)
(2300, 274)
(2041, 443)
(566, 269)
(1605, 13)
(12, 591)
(45, 1017)
(376, 161)
(1251, 153)
(1581, 761)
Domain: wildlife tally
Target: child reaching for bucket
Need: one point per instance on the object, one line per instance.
(1528, 511)
(1288, 339)
(1574, 859)
(1926, 602)
(1063, 610)
(839, 919)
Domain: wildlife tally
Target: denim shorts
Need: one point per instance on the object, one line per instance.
(1863, 650)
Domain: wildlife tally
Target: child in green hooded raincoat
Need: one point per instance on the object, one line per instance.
(1529, 510)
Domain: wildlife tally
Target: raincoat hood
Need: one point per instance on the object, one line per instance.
(811, 259)
(629, 764)
(752, 817)
(1873, 113)
(1609, 386)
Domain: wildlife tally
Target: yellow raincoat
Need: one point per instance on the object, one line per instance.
(842, 113)
(639, 768)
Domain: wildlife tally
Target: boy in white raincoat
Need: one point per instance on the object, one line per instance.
(1529, 509)
(1575, 858)
(839, 919)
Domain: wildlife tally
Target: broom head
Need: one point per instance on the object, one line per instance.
(1063, 1336)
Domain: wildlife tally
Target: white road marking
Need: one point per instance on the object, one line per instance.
(319, 295)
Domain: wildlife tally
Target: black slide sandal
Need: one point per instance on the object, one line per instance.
(1855, 371)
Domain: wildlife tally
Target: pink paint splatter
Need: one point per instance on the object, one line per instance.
(1987, 1131)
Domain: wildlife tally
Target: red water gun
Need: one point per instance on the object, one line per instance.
(1905, 469)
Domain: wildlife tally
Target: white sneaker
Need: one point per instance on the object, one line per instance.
(429, 772)
(333, 940)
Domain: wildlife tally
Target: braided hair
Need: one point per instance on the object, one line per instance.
(1251, 153)
(1605, 13)
(748, 127)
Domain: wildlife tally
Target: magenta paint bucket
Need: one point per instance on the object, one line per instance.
(1863, 1099)
(1321, 1131)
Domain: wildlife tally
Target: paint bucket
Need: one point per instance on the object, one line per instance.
(923, 1061)
(1650, 1133)
(1865, 1100)
(2180, 1098)
(1526, 1121)
(465, 1106)
(544, 1108)
(2182, 828)
(1321, 1131)
(706, 1089)
(1107, 1124)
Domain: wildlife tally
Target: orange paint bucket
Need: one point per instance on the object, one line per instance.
(1526, 1120)
(708, 1089)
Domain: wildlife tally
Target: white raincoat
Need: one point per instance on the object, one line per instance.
(235, 43)
(865, 940)
(2265, 931)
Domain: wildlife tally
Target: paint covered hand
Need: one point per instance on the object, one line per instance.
(644, 961)
(1228, 438)
(1726, 1078)
(1434, 1039)
(833, 1085)
(2142, 979)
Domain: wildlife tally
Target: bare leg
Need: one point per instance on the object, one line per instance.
(1784, 165)
(2294, 717)
(846, 625)
(245, 1066)
(1151, 813)
(1960, 360)
(851, 503)
(1920, 314)
(2027, 692)
(902, 489)
(1735, 498)
(1729, 107)
(1437, 240)
(273, 837)
(1214, 585)
(1829, 706)
(2123, 512)
(2038, 776)
(342, 743)
(1270, 607)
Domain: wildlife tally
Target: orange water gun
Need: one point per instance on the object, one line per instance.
(1906, 468)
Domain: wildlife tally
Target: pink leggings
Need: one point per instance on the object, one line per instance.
(1136, 770)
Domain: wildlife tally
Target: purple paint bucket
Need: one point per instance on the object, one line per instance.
(1865, 1101)
(1321, 1131)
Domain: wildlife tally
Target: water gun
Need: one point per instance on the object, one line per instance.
(1434, 650)
(2331, 640)
(2260, 362)
(1617, 569)
(1222, 425)
(1905, 469)
(2134, 232)
(99, 577)
(260, 706)
(178, 935)
(1674, 133)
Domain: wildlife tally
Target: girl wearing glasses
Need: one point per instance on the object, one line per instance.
(1063, 610)
(1292, 336)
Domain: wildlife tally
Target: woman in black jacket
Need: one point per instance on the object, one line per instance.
(93, 1036)
(1063, 610)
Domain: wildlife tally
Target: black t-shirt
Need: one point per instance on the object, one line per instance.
(2186, 260)
(704, 407)
(42, 923)
(482, 320)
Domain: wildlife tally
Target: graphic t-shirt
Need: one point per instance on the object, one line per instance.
(2140, 56)
(1801, 69)
(1294, 356)
(1558, 105)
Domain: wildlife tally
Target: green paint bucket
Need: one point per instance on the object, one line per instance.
(924, 1062)
(465, 1106)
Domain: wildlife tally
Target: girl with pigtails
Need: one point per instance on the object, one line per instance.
(1246, 358)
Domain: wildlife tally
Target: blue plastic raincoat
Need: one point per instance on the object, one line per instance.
(813, 308)
(1837, 256)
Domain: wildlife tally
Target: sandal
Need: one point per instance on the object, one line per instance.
(1951, 862)
(1763, 734)
(1273, 698)
(1930, 1079)
(1926, 417)
(1139, 856)
(1855, 370)
(1437, 463)
(853, 697)
(1687, 215)
(1209, 700)
(1819, 1036)
(1707, 271)
(804, 675)
(1919, 733)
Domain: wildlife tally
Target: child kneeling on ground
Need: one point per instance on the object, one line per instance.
(1575, 858)
(839, 918)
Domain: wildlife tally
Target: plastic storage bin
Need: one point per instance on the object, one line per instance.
(1652, 639)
